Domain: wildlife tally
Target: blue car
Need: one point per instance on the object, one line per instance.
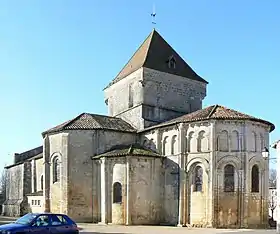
(43, 223)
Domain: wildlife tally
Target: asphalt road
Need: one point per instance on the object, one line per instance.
(118, 229)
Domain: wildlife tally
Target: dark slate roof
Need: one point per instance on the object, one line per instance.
(38, 193)
(20, 158)
(213, 112)
(128, 150)
(154, 53)
(86, 121)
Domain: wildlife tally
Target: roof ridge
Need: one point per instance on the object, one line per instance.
(206, 113)
(152, 34)
(139, 47)
(73, 120)
(214, 107)
(101, 115)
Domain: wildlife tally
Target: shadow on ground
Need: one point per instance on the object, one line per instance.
(87, 232)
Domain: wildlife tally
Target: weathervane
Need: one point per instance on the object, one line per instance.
(154, 15)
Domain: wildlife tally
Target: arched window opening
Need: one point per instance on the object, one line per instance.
(42, 182)
(56, 170)
(229, 178)
(145, 144)
(190, 142)
(235, 141)
(223, 141)
(198, 179)
(173, 145)
(255, 180)
(201, 142)
(117, 192)
(164, 145)
(152, 144)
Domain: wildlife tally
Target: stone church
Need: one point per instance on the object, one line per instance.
(157, 158)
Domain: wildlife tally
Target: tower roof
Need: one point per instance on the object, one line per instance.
(155, 53)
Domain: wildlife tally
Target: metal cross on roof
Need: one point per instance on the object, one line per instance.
(154, 15)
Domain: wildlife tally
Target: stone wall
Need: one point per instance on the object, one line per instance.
(146, 190)
(213, 145)
(39, 174)
(147, 97)
(56, 192)
(167, 96)
(19, 184)
(14, 191)
(240, 144)
(84, 175)
(140, 179)
(124, 97)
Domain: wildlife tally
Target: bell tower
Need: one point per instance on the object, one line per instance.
(156, 85)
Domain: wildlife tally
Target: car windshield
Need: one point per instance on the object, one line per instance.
(26, 219)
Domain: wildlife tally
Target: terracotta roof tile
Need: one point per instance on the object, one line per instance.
(86, 121)
(214, 112)
(128, 150)
(154, 53)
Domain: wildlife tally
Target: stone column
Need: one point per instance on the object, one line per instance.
(46, 158)
(64, 174)
(182, 177)
(128, 213)
(33, 176)
(241, 186)
(104, 191)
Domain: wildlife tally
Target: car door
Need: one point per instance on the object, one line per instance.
(59, 225)
(41, 225)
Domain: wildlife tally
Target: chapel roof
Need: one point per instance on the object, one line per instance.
(86, 121)
(217, 112)
(28, 155)
(154, 53)
(128, 150)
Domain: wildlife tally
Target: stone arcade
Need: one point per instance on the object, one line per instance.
(158, 158)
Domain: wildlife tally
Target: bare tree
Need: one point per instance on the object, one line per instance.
(272, 201)
(272, 178)
(3, 184)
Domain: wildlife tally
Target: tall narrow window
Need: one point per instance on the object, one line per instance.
(152, 144)
(191, 142)
(42, 182)
(229, 178)
(234, 141)
(255, 180)
(223, 141)
(117, 192)
(198, 179)
(173, 145)
(164, 145)
(172, 62)
(56, 170)
(201, 142)
(130, 96)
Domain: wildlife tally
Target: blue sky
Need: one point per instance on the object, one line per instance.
(57, 56)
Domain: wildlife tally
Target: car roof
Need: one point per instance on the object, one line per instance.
(48, 213)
